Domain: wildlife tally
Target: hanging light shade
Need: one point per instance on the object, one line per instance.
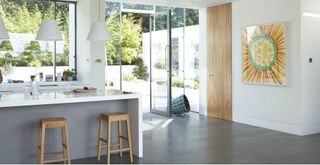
(49, 31)
(99, 32)
(3, 31)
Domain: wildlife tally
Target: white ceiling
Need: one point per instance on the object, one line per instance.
(179, 3)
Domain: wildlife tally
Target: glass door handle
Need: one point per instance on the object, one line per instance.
(166, 58)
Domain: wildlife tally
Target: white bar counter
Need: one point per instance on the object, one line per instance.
(20, 115)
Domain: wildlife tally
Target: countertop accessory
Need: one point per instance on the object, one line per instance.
(85, 90)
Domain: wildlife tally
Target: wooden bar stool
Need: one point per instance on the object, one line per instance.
(53, 123)
(114, 117)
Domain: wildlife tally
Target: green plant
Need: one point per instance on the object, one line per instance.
(161, 83)
(131, 39)
(140, 71)
(31, 54)
(128, 78)
(70, 72)
(196, 85)
(159, 64)
(177, 82)
(6, 46)
(110, 83)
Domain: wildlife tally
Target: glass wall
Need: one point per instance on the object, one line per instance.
(22, 55)
(129, 53)
(113, 47)
(191, 60)
(137, 8)
(177, 45)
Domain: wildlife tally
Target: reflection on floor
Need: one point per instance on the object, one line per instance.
(154, 122)
(198, 139)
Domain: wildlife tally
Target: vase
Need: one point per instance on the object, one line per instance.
(70, 78)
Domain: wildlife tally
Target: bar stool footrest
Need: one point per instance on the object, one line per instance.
(54, 161)
(53, 153)
(123, 137)
(121, 150)
(112, 145)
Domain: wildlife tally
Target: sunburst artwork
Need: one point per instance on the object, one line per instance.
(264, 54)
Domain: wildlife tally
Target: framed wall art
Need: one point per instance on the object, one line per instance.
(264, 54)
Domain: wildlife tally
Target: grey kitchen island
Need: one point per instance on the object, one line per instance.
(20, 115)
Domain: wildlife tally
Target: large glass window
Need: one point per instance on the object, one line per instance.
(191, 59)
(177, 45)
(22, 55)
(128, 53)
(137, 8)
(113, 47)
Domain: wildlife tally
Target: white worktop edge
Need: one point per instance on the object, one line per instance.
(19, 103)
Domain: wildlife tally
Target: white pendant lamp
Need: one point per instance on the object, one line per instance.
(3, 31)
(98, 30)
(49, 30)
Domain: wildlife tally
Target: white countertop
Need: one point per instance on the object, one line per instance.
(59, 96)
(43, 85)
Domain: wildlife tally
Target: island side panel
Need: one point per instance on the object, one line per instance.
(135, 109)
(19, 129)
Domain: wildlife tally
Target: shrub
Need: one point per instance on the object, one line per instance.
(196, 85)
(110, 83)
(159, 64)
(140, 71)
(6, 46)
(161, 83)
(177, 82)
(128, 78)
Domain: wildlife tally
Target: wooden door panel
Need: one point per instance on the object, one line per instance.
(220, 61)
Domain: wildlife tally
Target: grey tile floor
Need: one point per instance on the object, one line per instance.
(198, 139)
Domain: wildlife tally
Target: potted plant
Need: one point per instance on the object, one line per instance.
(69, 74)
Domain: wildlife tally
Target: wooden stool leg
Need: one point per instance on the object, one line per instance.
(39, 145)
(64, 149)
(67, 142)
(100, 137)
(129, 140)
(42, 142)
(109, 141)
(119, 137)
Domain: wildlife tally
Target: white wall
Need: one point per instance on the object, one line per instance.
(271, 107)
(88, 52)
(310, 40)
(83, 46)
(203, 61)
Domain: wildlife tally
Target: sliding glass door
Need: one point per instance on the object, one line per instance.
(160, 63)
